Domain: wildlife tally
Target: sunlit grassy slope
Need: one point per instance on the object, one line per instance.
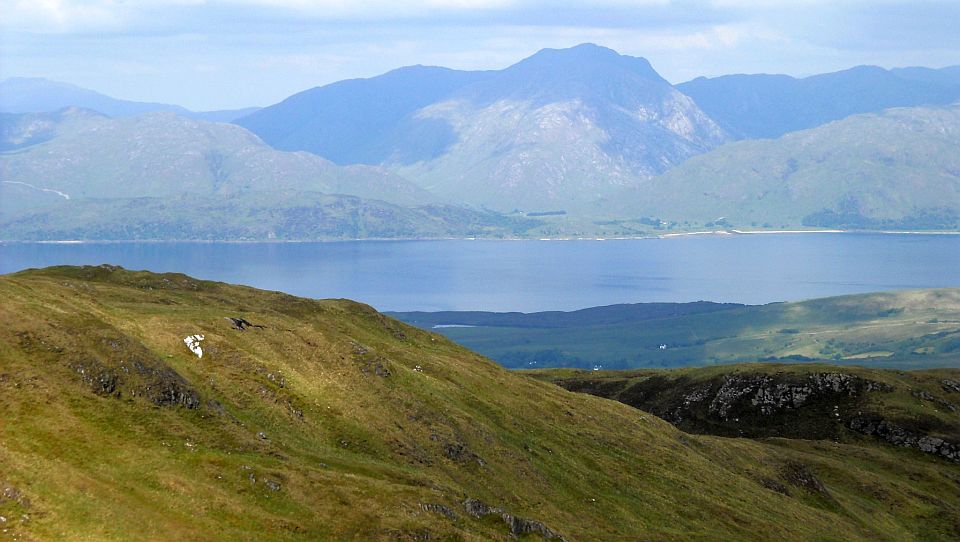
(334, 422)
(905, 329)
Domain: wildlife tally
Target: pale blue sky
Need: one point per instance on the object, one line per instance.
(213, 54)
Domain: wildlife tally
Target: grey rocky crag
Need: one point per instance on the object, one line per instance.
(927, 396)
(820, 405)
(899, 436)
(768, 395)
(518, 526)
(441, 509)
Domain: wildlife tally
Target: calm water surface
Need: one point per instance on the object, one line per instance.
(542, 275)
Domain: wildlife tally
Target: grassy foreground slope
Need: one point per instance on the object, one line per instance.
(901, 329)
(335, 422)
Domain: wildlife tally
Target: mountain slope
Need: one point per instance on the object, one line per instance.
(768, 106)
(81, 154)
(560, 130)
(37, 95)
(353, 121)
(899, 169)
(334, 422)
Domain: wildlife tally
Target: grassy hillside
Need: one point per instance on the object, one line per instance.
(898, 170)
(907, 329)
(335, 422)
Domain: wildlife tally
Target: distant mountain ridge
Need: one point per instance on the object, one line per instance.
(768, 106)
(354, 121)
(38, 95)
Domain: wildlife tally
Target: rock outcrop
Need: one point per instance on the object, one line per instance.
(818, 405)
(899, 436)
(517, 525)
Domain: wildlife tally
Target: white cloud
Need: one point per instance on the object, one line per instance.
(56, 15)
(93, 15)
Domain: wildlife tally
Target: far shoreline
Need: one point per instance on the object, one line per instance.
(696, 233)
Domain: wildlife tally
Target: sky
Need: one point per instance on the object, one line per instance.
(222, 54)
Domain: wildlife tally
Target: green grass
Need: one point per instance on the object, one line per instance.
(355, 453)
(906, 330)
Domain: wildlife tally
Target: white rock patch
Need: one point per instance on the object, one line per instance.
(193, 343)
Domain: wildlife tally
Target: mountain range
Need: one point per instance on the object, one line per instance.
(769, 106)
(898, 170)
(559, 130)
(569, 142)
(89, 155)
(160, 175)
(38, 95)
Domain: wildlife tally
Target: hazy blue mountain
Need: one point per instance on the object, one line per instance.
(562, 129)
(898, 169)
(26, 129)
(38, 95)
(768, 106)
(586, 72)
(558, 130)
(78, 174)
(76, 154)
(355, 121)
(941, 76)
(583, 133)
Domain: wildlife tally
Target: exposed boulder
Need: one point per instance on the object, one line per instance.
(952, 386)
(241, 324)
